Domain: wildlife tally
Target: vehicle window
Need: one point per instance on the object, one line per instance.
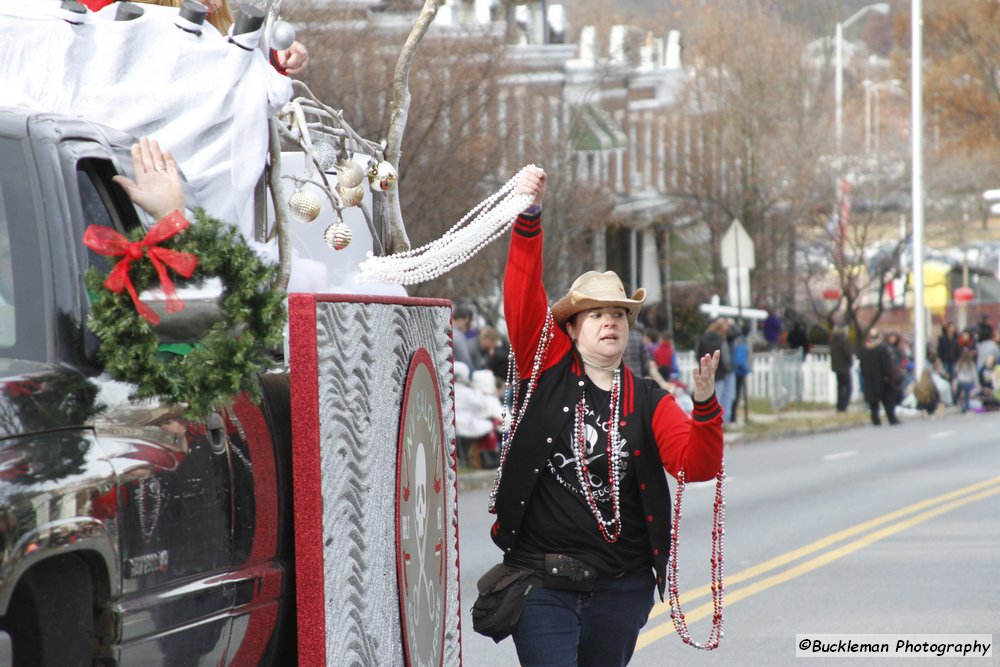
(92, 177)
(21, 320)
(7, 314)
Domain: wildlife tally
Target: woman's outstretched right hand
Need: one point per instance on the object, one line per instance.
(532, 182)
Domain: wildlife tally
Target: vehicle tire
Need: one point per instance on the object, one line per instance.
(50, 619)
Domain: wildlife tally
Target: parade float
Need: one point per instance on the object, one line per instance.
(222, 438)
(226, 436)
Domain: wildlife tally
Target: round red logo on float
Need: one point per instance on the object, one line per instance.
(421, 548)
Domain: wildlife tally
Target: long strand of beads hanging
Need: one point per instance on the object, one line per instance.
(718, 542)
(579, 446)
(514, 411)
(489, 220)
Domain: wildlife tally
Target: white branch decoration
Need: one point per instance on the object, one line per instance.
(398, 115)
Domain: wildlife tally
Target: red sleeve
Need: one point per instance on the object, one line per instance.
(693, 443)
(525, 303)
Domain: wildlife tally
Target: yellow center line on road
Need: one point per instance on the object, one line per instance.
(658, 632)
(829, 540)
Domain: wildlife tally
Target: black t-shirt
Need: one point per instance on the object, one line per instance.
(559, 518)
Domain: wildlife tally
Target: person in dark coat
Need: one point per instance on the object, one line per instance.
(876, 373)
(711, 341)
(772, 329)
(798, 338)
(985, 330)
(841, 360)
(948, 349)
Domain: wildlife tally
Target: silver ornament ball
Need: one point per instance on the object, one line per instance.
(324, 154)
(338, 236)
(282, 35)
(304, 205)
(350, 174)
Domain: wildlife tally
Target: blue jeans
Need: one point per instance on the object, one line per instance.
(962, 395)
(725, 393)
(598, 629)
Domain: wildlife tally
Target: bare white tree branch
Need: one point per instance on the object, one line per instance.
(399, 113)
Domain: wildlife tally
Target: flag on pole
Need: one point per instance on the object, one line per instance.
(843, 215)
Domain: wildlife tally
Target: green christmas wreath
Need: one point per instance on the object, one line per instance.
(227, 358)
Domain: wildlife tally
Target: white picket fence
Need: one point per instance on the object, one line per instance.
(783, 377)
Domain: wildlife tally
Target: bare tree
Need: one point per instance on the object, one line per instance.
(962, 103)
(448, 154)
(847, 265)
(752, 131)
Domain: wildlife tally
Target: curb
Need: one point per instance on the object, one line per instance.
(479, 479)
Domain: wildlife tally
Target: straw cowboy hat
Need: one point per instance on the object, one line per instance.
(597, 290)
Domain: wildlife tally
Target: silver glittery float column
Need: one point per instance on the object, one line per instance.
(375, 484)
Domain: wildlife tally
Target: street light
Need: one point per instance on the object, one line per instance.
(870, 90)
(881, 8)
(917, 181)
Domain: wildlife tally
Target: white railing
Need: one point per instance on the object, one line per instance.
(783, 376)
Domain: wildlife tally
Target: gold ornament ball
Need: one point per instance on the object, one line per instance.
(338, 236)
(304, 205)
(350, 174)
(351, 196)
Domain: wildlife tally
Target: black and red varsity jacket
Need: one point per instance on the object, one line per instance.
(667, 438)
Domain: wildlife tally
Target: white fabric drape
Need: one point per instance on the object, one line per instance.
(204, 99)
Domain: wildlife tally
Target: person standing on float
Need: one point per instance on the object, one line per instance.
(582, 475)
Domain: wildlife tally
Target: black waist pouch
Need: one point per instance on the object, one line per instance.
(503, 590)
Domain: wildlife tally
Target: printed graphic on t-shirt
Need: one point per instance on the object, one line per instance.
(563, 465)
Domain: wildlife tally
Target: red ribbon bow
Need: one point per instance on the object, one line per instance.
(107, 241)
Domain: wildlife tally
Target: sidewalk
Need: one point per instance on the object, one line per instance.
(787, 424)
(792, 423)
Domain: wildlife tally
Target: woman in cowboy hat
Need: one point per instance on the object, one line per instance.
(580, 496)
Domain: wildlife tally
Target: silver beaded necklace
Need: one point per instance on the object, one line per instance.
(610, 529)
(513, 410)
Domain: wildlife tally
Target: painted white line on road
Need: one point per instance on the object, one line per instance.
(840, 455)
(710, 484)
(941, 434)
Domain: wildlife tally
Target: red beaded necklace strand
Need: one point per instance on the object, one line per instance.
(718, 540)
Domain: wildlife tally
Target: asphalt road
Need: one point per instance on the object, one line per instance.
(890, 530)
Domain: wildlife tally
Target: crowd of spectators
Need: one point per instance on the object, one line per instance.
(961, 369)
(482, 352)
(967, 361)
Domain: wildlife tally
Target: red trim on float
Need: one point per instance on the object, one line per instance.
(265, 482)
(304, 376)
(261, 621)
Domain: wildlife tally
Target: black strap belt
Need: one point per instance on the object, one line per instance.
(559, 571)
